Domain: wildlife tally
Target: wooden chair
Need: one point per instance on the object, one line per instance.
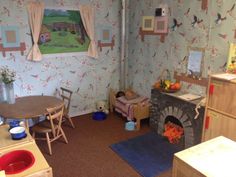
(66, 97)
(51, 126)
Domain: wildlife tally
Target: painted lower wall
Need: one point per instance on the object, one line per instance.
(148, 59)
(88, 78)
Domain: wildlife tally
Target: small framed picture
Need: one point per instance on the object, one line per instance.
(10, 36)
(148, 23)
(231, 63)
(106, 34)
(195, 62)
(161, 24)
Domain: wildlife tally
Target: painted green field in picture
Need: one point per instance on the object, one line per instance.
(62, 31)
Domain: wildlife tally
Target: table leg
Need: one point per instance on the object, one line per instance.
(27, 123)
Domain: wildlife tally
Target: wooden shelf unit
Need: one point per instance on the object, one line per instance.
(220, 114)
(111, 44)
(143, 33)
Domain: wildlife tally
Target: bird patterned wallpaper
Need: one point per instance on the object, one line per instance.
(191, 23)
(208, 24)
(88, 78)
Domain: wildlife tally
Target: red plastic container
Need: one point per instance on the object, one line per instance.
(16, 161)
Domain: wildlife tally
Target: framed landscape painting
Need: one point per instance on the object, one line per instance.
(62, 31)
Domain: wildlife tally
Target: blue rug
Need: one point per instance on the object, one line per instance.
(149, 154)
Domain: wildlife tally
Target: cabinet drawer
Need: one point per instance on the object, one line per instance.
(219, 125)
(222, 96)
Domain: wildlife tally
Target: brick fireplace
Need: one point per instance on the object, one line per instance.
(166, 107)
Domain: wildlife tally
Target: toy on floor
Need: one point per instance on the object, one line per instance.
(130, 126)
(99, 116)
(101, 107)
(101, 111)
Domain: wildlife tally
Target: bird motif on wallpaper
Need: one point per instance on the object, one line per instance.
(182, 34)
(223, 67)
(34, 75)
(169, 10)
(108, 85)
(154, 55)
(72, 72)
(196, 21)
(107, 52)
(224, 36)
(219, 19)
(175, 25)
(107, 15)
(187, 12)
(6, 11)
(231, 9)
(132, 52)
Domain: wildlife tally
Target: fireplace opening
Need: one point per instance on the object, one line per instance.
(173, 120)
(173, 130)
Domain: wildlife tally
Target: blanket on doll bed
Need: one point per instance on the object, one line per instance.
(126, 107)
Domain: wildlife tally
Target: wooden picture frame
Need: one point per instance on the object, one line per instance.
(161, 24)
(106, 34)
(148, 23)
(62, 32)
(195, 62)
(10, 36)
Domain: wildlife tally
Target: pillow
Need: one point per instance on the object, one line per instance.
(119, 94)
(140, 99)
(130, 94)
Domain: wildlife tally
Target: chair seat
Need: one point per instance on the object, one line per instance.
(43, 127)
(51, 127)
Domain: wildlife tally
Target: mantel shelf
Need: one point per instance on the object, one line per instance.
(182, 77)
(143, 33)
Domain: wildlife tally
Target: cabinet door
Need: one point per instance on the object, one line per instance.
(222, 96)
(182, 169)
(217, 124)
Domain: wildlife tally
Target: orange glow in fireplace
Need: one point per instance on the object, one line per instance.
(173, 132)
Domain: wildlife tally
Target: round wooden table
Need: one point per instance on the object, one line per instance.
(29, 107)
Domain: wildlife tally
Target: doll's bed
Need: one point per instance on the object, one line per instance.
(137, 108)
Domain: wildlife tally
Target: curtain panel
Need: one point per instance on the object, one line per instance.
(35, 13)
(87, 15)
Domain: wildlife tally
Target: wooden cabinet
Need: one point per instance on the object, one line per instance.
(215, 157)
(220, 114)
(40, 167)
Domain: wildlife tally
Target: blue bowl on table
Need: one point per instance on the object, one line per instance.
(99, 115)
(14, 123)
(18, 133)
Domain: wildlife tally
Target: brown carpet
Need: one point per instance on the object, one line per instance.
(88, 153)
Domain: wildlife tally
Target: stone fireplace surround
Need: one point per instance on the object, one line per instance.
(166, 105)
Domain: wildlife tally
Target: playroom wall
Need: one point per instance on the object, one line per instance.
(148, 59)
(88, 78)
